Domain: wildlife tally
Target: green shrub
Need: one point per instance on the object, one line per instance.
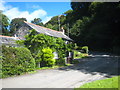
(60, 61)
(85, 48)
(47, 58)
(61, 48)
(16, 60)
(0, 66)
(78, 55)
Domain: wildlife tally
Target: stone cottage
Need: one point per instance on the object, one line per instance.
(24, 30)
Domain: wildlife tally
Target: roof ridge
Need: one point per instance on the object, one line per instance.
(43, 27)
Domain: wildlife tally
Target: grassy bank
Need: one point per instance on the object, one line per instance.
(105, 83)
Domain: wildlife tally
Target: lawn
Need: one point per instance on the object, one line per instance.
(105, 83)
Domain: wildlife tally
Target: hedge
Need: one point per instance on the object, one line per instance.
(16, 60)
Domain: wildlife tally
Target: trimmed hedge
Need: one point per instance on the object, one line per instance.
(16, 60)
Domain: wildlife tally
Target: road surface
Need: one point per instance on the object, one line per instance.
(90, 69)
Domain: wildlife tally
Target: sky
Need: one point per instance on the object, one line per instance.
(31, 10)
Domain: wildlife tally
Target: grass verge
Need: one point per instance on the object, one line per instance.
(56, 66)
(105, 83)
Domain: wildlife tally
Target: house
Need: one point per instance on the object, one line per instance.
(24, 30)
(26, 27)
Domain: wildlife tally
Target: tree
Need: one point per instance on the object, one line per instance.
(69, 17)
(80, 29)
(96, 24)
(54, 24)
(4, 22)
(37, 21)
(15, 24)
(98, 30)
(80, 9)
(105, 24)
(49, 26)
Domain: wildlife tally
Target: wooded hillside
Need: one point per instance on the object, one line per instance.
(95, 24)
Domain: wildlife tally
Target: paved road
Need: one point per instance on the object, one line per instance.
(94, 68)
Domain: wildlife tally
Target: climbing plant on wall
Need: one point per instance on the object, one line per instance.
(36, 42)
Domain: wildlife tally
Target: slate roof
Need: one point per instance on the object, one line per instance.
(48, 31)
(8, 40)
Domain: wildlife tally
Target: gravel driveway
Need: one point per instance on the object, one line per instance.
(93, 68)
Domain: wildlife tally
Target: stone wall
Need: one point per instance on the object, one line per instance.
(22, 31)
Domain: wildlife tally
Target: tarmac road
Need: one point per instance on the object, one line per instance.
(90, 69)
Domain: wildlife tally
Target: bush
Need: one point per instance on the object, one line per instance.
(61, 48)
(0, 66)
(85, 48)
(78, 55)
(16, 61)
(60, 61)
(47, 58)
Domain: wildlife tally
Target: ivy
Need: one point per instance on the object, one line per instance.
(37, 42)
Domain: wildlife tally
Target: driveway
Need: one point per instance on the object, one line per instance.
(93, 68)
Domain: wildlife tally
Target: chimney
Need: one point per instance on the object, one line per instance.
(15, 36)
(63, 31)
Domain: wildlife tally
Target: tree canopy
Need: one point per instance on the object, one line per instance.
(4, 22)
(15, 24)
(37, 21)
(94, 24)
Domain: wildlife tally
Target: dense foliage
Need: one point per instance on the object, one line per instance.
(55, 21)
(15, 24)
(37, 42)
(47, 58)
(95, 24)
(16, 61)
(4, 22)
(99, 30)
(37, 21)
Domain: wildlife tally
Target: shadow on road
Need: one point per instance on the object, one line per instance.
(106, 65)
